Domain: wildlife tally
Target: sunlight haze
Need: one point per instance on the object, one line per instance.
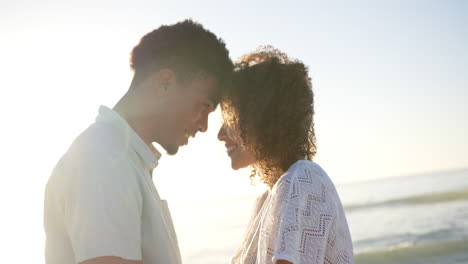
(389, 77)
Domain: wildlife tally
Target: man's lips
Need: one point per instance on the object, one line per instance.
(188, 135)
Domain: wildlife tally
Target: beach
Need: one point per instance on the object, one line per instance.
(413, 219)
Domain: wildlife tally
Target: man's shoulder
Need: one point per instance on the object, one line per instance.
(98, 151)
(99, 138)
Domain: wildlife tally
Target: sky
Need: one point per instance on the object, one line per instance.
(389, 77)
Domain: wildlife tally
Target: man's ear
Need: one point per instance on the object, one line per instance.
(165, 80)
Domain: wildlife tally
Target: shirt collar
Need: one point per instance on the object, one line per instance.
(148, 154)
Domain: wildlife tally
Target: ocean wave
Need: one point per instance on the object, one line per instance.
(420, 199)
(408, 252)
(390, 240)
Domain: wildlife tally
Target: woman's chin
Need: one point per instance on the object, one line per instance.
(235, 165)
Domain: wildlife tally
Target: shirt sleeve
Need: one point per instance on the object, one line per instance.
(103, 210)
(302, 219)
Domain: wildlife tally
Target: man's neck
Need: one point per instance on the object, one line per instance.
(131, 114)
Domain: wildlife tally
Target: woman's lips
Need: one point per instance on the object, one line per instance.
(231, 149)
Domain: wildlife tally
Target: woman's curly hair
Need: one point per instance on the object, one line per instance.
(270, 100)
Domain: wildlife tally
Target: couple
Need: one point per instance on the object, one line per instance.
(101, 206)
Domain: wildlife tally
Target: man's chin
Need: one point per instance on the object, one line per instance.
(172, 149)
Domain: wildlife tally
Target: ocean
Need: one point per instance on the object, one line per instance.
(413, 219)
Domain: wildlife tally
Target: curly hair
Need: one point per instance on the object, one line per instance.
(270, 100)
(185, 47)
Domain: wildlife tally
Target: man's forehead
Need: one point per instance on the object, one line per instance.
(208, 86)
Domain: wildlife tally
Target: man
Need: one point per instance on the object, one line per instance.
(101, 205)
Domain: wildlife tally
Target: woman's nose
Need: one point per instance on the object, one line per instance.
(222, 133)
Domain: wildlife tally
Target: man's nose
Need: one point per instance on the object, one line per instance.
(203, 124)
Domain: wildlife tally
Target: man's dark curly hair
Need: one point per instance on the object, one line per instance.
(270, 100)
(186, 47)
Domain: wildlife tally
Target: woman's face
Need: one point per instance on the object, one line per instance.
(241, 157)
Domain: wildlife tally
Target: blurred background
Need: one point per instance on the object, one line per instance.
(391, 91)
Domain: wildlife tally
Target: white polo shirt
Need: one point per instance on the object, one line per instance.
(101, 201)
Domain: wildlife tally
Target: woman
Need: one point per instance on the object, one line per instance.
(268, 125)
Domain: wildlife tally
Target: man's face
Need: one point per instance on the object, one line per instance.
(188, 106)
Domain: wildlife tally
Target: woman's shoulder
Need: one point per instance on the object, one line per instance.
(305, 171)
(305, 179)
